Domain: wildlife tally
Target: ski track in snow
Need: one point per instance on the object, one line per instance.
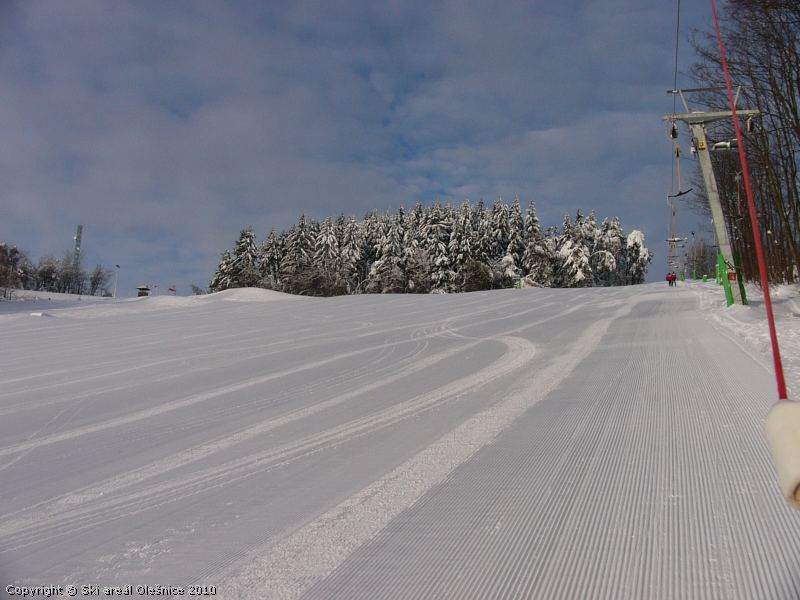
(199, 452)
(196, 398)
(54, 507)
(290, 447)
(427, 330)
(287, 569)
(39, 525)
(619, 491)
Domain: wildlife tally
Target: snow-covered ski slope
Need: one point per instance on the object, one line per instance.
(537, 443)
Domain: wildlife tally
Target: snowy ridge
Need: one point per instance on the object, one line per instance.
(91, 307)
(250, 295)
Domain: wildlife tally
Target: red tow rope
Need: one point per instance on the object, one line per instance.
(762, 265)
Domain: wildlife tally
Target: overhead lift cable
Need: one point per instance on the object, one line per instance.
(673, 241)
(673, 133)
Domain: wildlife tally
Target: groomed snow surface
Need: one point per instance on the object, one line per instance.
(535, 443)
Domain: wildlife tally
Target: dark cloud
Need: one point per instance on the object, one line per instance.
(166, 127)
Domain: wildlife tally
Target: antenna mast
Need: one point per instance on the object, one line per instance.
(77, 255)
(76, 258)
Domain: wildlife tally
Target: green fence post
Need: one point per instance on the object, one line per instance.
(722, 271)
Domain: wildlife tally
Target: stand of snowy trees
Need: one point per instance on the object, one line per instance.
(50, 274)
(440, 248)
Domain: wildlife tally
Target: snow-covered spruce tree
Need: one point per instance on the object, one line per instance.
(415, 231)
(388, 272)
(443, 278)
(350, 254)
(482, 235)
(559, 238)
(499, 242)
(296, 268)
(221, 280)
(478, 215)
(638, 257)
(417, 260)
(301, 239)
(516, 234)
(326, 248)
(243, 270)
(435, 229)
(531, 225)
(438, 230)
(313, 229)
(616, 241)
(369, 236)
(418, 271)
(338, 228)
(572, 268)
(499, 231)
(537, 260)
(585, 228)
(507, 267)
(460, 244)
(575, 268)
(271, 258)
(326, 264)
(604, 255)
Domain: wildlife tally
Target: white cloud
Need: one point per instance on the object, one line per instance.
(166, 127)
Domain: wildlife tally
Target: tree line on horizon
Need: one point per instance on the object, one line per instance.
(50, 274)
(440, 249)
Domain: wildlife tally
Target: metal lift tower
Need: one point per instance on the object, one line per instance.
(697, 120)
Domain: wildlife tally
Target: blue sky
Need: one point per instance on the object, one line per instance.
(166, 127)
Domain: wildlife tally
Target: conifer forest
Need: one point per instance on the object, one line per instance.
(440, 249)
